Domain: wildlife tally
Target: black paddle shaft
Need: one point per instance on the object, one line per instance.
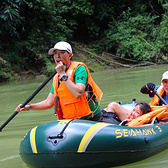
(28, 100)
(161, 98)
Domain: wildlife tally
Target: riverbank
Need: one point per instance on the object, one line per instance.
(94, 60)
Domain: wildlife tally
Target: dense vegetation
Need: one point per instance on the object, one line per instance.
(130, 29)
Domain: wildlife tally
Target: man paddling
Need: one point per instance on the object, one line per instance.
(74, 93)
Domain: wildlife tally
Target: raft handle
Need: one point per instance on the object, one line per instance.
(60, 135)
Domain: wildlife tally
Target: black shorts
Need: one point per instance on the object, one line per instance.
(107, 117)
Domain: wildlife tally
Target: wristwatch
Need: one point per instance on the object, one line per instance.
(64, 78)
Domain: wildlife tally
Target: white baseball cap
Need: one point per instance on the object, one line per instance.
(62, 45)
(165, 75)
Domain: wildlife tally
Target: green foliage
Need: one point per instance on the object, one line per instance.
(162, 37)
(136, 36)
(10, 17)
(130, 29)
(133, 36)
(4, 70)
(22, 56)
(49, 66)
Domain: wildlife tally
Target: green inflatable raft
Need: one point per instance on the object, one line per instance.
(81, 143)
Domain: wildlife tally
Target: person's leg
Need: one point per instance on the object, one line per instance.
(118, 109)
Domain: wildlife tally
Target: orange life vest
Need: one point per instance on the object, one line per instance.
(155, 100)
(68, 106)
(157, 111)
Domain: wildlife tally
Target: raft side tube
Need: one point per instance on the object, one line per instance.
(91, 144)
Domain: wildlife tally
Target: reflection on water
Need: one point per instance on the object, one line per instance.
(117, 85)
